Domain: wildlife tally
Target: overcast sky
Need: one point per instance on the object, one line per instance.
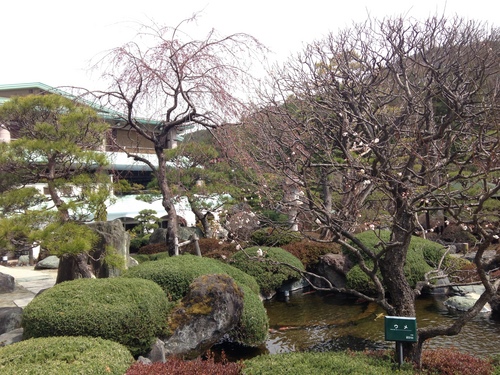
(53, 41)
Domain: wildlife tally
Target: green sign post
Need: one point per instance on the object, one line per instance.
(400, 329)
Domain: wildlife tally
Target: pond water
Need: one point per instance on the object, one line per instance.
(316, 321)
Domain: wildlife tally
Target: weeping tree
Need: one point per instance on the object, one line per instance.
(166, 81)
(381, 124)
(54, 144)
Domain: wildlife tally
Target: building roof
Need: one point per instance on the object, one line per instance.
(21, 89)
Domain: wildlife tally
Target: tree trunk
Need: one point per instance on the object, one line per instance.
(172, 238)
(392, 264)
(73, 267)
(203, 218)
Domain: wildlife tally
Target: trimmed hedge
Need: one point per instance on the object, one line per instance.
(141, 258)
(274, 237)
(65, 356)
(132, 312)
(421, 254)
(254, 324)
(175, 274)
(269, 276)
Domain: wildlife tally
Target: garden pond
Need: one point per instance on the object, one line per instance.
(326, 322)
(320, 322)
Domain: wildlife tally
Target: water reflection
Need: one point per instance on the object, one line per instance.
(327, 322)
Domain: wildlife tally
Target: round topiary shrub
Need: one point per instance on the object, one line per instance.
(254, 324)
(421, 255)
(269, 276)
(175, 274)
(65, 356)
(130, 311)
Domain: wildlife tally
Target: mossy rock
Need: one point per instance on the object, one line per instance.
(422, 256)
(65, 356)
(130, 311)
(175, 274)
(269, 276)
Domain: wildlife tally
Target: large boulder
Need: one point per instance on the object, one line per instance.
(10, 318)
(7, 283)
(334, 268)
(465, 302)
(11, 337)
(111, 235)
(158, 236)
(184, 234)
(49, 263)
(210, 310)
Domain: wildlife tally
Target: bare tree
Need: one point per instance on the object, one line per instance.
(176, 82)
(380, 124)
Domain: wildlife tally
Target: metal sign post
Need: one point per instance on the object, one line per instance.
(400, 329)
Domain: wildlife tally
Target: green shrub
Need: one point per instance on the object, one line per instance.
(254, 324)
(321, 363)
(175, 274)
(420, 254)
(274, 237)
(132, 312)
(137, 242)
(309, 252)
(269, 276)
(140, 258)
(65, 356)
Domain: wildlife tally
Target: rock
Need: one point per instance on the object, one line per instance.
(495, 307)
(443, 290)
(469, 289)
(144, 360)
(10, 318)
(157, 353)
(158, 236)
(7, 283)
(185, 233)
(212, 307)
(132, 262)
(464, 303)
(11, 337)
(111, 235)
(49, 263)
(334, 268)
(24, 260)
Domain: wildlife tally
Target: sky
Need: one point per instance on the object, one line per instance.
(55, 41)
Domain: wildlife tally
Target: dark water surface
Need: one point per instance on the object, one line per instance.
(327, 322)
